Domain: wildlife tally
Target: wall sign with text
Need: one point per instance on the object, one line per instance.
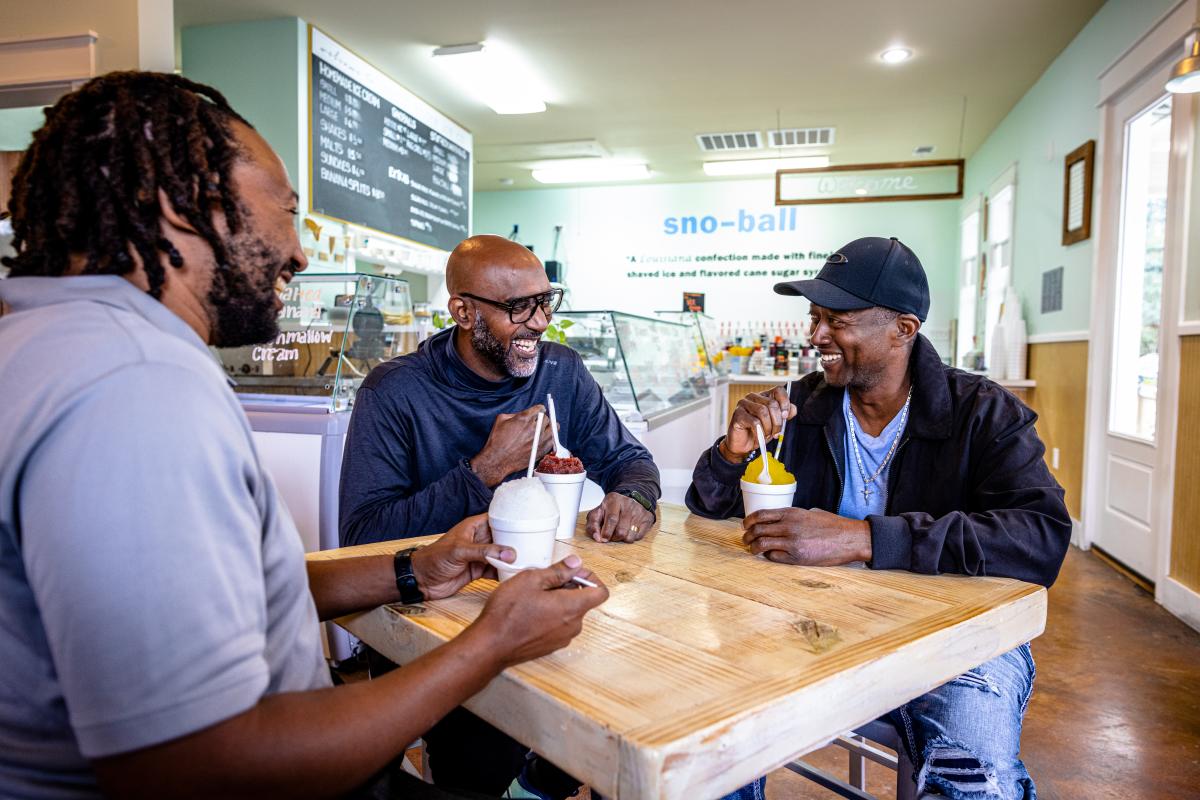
(380, 156)
(870, 183)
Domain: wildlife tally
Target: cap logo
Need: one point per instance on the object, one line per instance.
(837, 258)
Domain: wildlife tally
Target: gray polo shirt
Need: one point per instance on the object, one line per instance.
(152, 582)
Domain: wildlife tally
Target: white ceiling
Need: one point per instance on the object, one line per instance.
(643, 77)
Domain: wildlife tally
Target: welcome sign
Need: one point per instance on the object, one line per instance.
(870, 183)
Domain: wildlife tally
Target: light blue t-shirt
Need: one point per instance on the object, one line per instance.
(152, 583)
(873, 450)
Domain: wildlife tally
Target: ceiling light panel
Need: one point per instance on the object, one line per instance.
(493, 74)
(729, 142)
(599, 170)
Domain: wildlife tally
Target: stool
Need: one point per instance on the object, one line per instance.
(859, 744)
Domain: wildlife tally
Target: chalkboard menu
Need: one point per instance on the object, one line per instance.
(380, 156)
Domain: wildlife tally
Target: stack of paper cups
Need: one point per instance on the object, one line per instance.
(532, 539)
(567, 491)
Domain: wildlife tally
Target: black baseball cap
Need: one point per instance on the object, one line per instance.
(868, 272)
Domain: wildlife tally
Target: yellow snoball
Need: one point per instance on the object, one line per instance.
(774, 469)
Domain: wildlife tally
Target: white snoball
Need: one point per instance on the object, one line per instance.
(524, 498)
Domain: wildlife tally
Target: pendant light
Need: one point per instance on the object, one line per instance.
(1185, 76)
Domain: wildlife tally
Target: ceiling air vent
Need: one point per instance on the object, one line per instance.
(801, 137)
(729, 142)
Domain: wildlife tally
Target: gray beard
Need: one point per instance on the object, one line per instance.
(504, 359)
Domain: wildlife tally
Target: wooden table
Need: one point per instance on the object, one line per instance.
(709, 667)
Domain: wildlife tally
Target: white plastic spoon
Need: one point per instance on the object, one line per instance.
(765, 475)
(559, 450)
(537, 438)
(498, 564)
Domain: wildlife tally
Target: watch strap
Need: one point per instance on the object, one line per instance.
(406, 581)
(640, 499)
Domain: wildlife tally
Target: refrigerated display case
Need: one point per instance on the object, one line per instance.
(333, 329)
(705, 332)
(653, 375)
(646, 367)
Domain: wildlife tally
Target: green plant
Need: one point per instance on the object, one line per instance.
(557, 331)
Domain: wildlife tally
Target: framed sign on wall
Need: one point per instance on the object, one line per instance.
(1077, 193)
(870, 183)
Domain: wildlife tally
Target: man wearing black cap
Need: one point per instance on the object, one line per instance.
(904, 463)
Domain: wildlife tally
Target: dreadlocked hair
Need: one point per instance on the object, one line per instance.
(89, 183)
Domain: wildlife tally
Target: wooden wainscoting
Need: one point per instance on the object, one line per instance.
(1060, 369)
(1185, 521)
(739, 390)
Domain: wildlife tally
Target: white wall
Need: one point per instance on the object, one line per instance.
(612, 231)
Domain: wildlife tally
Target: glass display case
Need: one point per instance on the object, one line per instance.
(646, 367)
(708, 346)
(333, 329)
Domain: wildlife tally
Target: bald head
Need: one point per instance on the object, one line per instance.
(481, 273)
(496, 268)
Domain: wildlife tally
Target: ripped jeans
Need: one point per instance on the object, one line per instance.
(964, 737)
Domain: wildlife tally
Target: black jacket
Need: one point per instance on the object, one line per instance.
(968, 489)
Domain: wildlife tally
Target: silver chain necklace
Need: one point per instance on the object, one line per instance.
(867, 482)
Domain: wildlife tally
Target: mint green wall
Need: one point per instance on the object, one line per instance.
(259, 67)
(606, 226)
(17, 126)
(1054, 117)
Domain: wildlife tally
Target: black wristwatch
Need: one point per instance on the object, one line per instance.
(640, 499)
(406, 582)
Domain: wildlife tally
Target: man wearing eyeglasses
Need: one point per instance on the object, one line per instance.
(434, 432)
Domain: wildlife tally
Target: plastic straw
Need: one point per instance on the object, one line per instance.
(537, 438)
(779, 443)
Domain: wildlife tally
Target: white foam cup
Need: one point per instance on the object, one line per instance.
(567, 491)
(532, 539)
(758, 496)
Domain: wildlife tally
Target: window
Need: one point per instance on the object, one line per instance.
(968, 283)
(999, 234)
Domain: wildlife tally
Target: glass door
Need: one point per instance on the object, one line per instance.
(1129, 476)
(1133, 407)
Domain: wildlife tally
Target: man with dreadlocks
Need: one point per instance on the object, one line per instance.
(158, 631)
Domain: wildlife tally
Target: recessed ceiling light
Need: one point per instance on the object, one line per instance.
(591, 170)
(895, 55)
(762, 166)
(493, 74)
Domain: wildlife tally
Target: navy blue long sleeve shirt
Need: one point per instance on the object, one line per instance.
(419, 417)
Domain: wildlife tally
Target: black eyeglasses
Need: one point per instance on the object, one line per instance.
(523, 308)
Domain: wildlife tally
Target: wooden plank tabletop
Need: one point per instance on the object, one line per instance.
(708, 666)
